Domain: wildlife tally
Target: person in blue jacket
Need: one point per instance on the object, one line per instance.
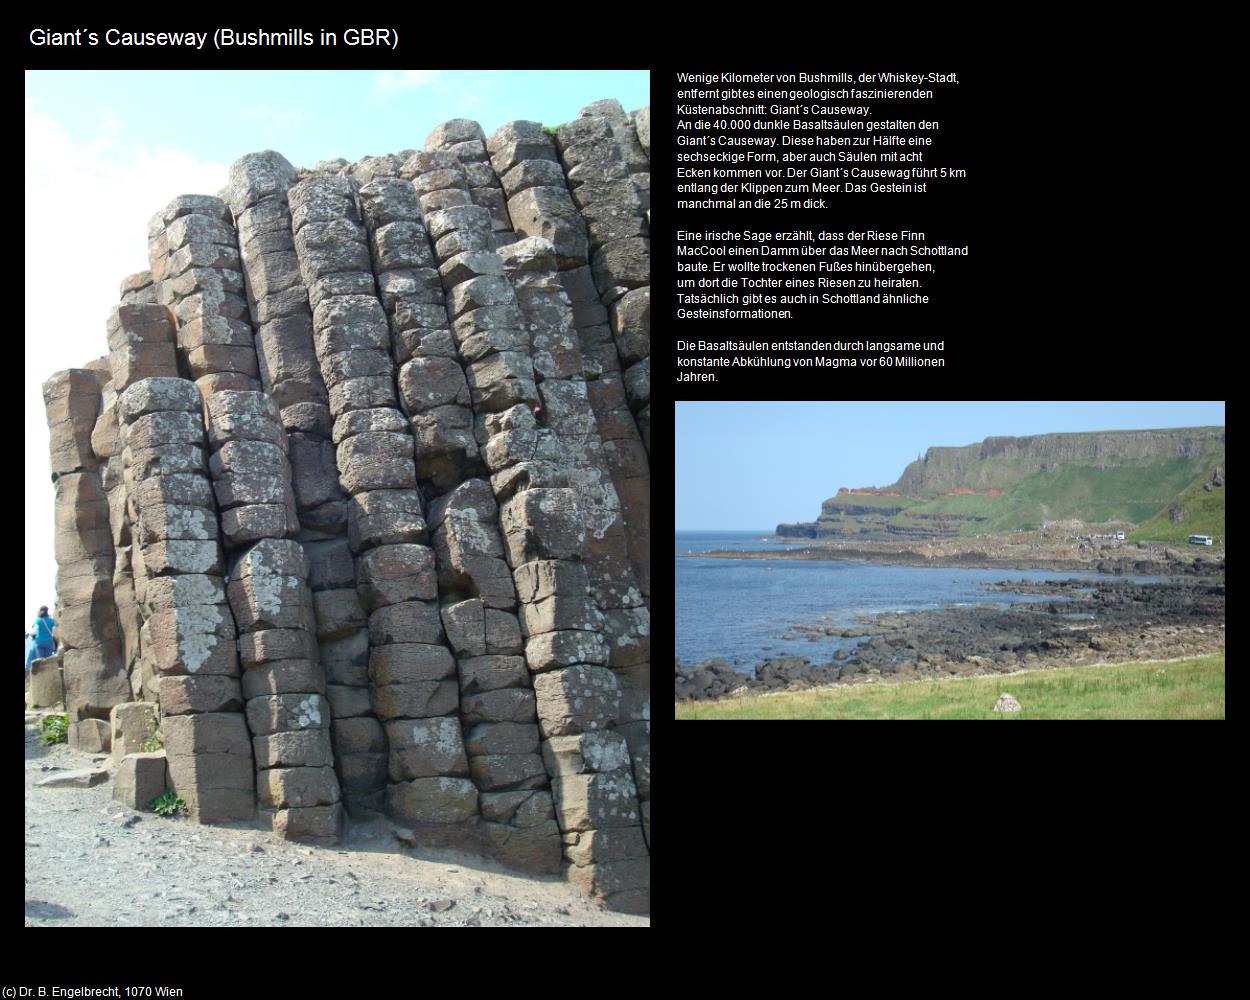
(41, 632)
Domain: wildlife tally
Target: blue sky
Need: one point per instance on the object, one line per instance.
(104, 151)
(751, 466)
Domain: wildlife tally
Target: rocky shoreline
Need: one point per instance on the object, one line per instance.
(1113, 564)
(1117, 620)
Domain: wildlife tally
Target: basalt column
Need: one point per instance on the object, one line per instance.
(579, 699)
(570, 439)
(189, 635)
(498, 707)
(412, 673)
(542, 522)
(282, 319)
(572, 453)
(87, 625)
(432, 387)
(474, 585)
(620, 256)
(107, 445)
(193, 249)
(464, 140)
(141, 345)
(609, 175)
(283, 681)
(540, 204)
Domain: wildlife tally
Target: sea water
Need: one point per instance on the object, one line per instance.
(740, 609)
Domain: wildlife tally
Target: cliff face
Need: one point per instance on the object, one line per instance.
(1005, 483)
(1000, 462)
(359, 502)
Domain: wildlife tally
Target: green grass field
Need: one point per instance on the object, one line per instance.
(1184, 689)
(1128, 492)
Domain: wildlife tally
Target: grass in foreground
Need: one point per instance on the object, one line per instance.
(1185, 689)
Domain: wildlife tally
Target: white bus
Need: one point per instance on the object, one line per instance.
(1199, 539)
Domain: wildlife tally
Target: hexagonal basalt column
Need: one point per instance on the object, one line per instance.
(280, 313)
(432, 387)
(283, 681)
(88, 629)
(189, 635)
(193, 246)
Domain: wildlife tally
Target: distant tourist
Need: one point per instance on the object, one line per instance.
(41, 633)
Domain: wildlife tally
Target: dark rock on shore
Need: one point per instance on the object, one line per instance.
(1119, 620)
(713, 678)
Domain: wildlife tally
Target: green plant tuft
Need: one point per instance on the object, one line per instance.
(552, 129)
(55, 730)
(168, 804)
(154, 742)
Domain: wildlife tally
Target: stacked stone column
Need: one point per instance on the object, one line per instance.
(432, 387)
(193, 249)
(189, 635)
(542, 521)
(282, 319)
(497, 698)
(628, 139)
(620, 256)
(540, 205)
(141, 341)
(107, 446)
(641, 120)
(464, 140)
(605, 167)
(283, 682)
(414, 689)
(474, 586)
(526, 156)
(579, 698)
(87, 624)
(571, 439)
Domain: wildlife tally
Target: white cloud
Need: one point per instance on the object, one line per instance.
(409, 79)
(88, 200)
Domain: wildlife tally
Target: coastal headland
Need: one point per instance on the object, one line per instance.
(1060, 549)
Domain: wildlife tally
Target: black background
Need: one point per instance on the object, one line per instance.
(1101, 265)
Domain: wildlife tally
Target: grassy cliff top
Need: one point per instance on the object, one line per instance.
(1193, 511)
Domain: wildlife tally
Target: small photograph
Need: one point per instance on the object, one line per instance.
(877, 552)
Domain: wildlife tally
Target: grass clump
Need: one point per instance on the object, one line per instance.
(55, 730)
(168, 804)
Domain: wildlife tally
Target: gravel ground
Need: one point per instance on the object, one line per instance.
(92, 862)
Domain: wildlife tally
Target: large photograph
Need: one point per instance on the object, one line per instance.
(343, 383)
